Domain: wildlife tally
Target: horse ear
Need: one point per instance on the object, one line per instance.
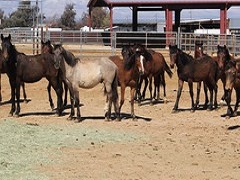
(42, 42)
(9, 36)
(2, 37)
(49, 42)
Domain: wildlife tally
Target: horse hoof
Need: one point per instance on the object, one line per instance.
(16, 115)
(139, 104)
(227, 117)
(70, 118)
(222, 103)
(78, 120)
(118, 119)
(192, 110)
(174, 111)
(235, 114)
(107, 119)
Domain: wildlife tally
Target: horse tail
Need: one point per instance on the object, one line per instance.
(167, 69)
(114, 87)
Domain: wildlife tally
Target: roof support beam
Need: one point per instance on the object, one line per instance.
(223, 20)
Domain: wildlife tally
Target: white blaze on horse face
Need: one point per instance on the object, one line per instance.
(142, 65)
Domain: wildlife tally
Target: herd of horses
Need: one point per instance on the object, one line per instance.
(136, 65)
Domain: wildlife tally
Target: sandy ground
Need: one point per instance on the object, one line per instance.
(159, 145)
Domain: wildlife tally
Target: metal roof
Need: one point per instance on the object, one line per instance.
(190, 3)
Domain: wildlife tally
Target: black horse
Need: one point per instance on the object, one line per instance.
(29, 69)
(191, 70)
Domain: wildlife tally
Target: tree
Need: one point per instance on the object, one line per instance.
(22, 17)
(67, 19)
(100, 17)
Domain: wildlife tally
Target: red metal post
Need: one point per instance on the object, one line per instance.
(111, 18)
(169, 25)
(223, 20)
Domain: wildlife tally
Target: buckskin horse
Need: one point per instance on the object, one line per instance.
(129, 70)
(29, 69)
(191, 70)
(87, 74)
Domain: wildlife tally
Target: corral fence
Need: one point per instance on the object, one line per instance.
(109, 43)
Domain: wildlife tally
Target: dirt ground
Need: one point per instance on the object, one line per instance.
(159, 145)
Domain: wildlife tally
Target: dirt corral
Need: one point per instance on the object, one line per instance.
(159, 145)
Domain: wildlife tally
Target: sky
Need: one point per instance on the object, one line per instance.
(52, 8)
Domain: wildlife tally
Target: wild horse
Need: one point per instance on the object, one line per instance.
(129, 71)
(191, 70)
(29, 69)
(47, 47)
(198, 54)
(87, 74)
(232, 82)
(155, 67)
(3, 70)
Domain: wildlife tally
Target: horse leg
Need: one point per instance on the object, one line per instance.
(77, 102)
(115, 97)
(179, 92)
(50, 96)
(215, 96)
(228, 101)
(18, 97)
(24, 92)
(210, 107)
(108, 106)
(150, 90)
(156, 87)
(224, 96)
(13, 88)
(65, 92)
(163, 82)
(190, 84)
(57, 86)
(206, 95)
(138, 95)
(145, 88)
(237, 91)
(72, 112)
(132, 91)
(198, 94)
(0, 88)
(123, 87)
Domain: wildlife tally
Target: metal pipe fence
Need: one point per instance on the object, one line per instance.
(108, 43)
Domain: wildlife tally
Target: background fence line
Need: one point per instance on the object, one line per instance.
(108, 43)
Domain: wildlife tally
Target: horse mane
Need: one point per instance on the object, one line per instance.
(128, 63)
(228, 56)
(185, 58)
(68, 56)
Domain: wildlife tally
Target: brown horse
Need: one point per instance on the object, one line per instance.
(155, 67)
(47, 47)
(3, 71)
(198, 54)
(191, 70)
(30, 69)
(129, 71)
(232, 75)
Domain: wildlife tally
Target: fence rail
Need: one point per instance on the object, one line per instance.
(108, 43)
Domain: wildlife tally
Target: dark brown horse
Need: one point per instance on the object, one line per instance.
(29, 69)
(155, 67)
(198, 54)
(47, 47)
(232, 74)
(3, 71)
(129, 71)
(191, 70)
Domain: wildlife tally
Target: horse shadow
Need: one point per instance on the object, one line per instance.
(9, 101)
(231, 128)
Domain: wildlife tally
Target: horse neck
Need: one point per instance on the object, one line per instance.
(69, 58)
(13, 55)
(183, 59)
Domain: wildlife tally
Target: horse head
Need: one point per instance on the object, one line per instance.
(198, 49)
(173, 52)
(223, 56)
(58, 55)
(46, 47)
(126, 52)
(231, 74)
(7, 47)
